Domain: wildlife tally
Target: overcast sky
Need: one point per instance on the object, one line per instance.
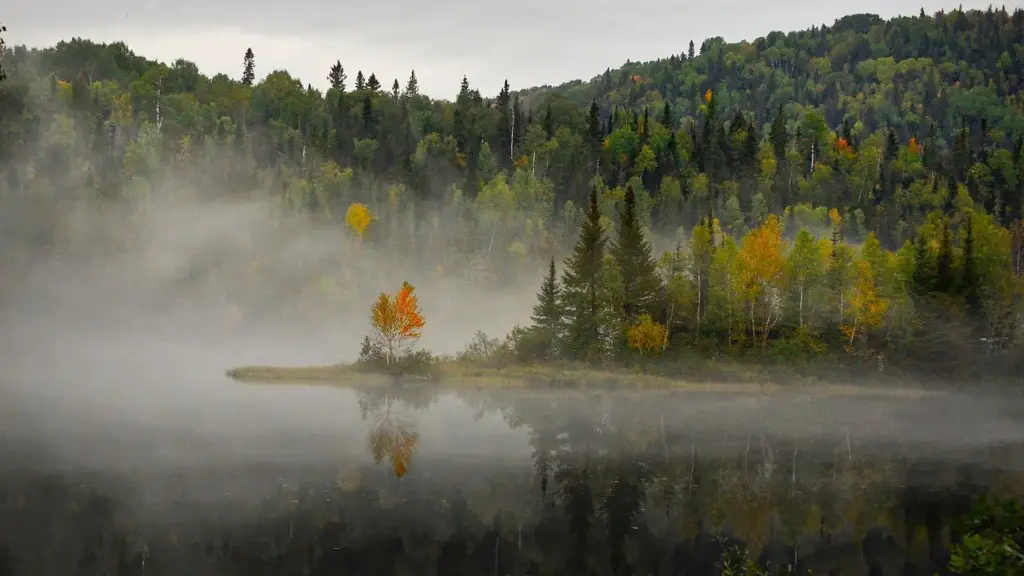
(529, 42)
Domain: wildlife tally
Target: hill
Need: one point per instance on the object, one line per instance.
(902, 135)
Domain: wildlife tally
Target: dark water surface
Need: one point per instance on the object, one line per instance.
(229, 478)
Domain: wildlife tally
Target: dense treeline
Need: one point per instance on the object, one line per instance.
(889, 153)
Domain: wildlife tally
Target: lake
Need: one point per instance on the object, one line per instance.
(214, 477)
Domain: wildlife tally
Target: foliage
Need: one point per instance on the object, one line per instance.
(647, 336)
(358, 218)
(397, 322)
(900, 139)
(993, 542)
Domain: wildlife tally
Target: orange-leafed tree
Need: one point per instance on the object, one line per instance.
(393, 438)
(397, 321)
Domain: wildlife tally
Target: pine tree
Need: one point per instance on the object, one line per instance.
(778, 136)
(667, 120)
(969, 281)
(944, 261)
(594, 128)
(337, 76)
(3, 74)
(372, 84)
(690, 52)
(503, 133)
(547, 313)
(412, 87)
(581, 287)
(549, 122)
(632, 251)
(922, 275)
(360, 81)
(395, 90)
(249, 68)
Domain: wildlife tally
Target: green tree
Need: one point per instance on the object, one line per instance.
(248, 68)
(582, 289)
(547, 313)
(633, 255)
(337, 76)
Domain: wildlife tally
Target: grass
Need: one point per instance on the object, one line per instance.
(454, 375)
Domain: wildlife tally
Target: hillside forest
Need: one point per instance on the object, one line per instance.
(849, 192)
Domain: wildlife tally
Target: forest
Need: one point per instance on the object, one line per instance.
(850, 192)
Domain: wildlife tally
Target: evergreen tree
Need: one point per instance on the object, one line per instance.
(922, 275)
(3, 74)
(969, 281)
(632, 252)
(944, 261)
(549, 122)
(594, 128)
(372, 84)
(503, 133)
(337, 76)
(778, 136)
(581, 287)
(690, 52)
(360, 81)
(667, 120)
(412, 87)
(547, 313)
(248, 68)
(395, 90)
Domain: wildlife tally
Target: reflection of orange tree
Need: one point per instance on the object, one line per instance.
(394, 438)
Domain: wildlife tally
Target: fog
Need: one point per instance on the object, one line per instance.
(115, 336)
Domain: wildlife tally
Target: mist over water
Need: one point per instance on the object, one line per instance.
(124, 449)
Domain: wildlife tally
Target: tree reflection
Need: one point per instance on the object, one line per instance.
(392, 434)
(610, 491)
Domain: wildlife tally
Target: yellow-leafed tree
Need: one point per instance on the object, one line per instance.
(358, 218)
(397, 321)
(867, 307)
(762, 262)
(646, 336)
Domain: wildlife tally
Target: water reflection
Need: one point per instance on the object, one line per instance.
(614, 484)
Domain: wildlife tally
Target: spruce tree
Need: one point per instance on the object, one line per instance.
(249, 68)
(337, 76)
(360, 81)
(396, 91)
(372, 84)
(633, 255)
(412, 87)
(944, 261)
(581, 287)
(922, 275)
(778, 136)
(667, 120)
(3, 74)
(594, 128)
(547, 313)
(969, 280)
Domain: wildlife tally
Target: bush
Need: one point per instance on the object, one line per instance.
(415, 363)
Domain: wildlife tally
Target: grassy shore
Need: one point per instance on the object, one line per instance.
(453, 375)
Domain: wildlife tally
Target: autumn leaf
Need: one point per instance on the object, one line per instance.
(708, 96)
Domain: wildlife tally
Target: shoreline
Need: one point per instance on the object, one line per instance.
(543, 377)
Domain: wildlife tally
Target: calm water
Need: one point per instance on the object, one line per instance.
(225, 478)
